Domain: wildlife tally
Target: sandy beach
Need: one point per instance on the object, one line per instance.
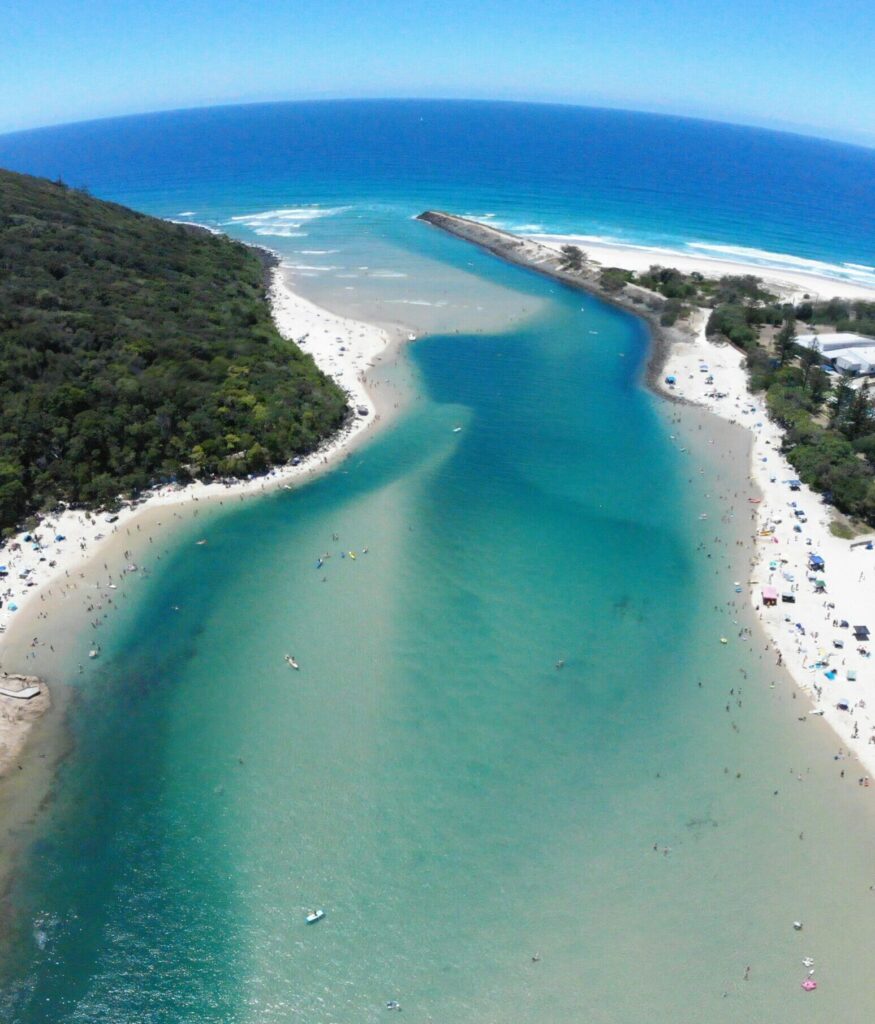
(813, 636)
(47, 561)
(787, 281)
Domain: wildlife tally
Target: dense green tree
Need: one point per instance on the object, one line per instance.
(132, 350)
(860, 418)
(841, 400)
(614, 279)
(573, 259)
(785, 340)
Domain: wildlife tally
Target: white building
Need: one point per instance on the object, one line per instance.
(851, 353)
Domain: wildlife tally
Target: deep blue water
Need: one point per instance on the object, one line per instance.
(640, 177)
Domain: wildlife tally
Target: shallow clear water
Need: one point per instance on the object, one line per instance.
(456, 803)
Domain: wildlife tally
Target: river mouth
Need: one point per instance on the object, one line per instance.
(492, 837)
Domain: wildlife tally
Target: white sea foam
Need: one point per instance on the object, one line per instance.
(493, 221)
(311, 267)
(852, 273)
(317, 252)
(287, 222)
(413, 302)
(297, 214)
(187, 213)
(280, 232)
(387, 274)
(786, 261)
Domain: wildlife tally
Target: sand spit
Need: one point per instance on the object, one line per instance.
(787, 282)
(18, 711)
(813, 635)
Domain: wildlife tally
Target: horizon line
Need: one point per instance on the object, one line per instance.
(781, 128)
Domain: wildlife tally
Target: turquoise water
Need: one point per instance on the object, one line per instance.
(456, 803)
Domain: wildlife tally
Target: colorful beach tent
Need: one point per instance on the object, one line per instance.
(770, 595)
(815, 562)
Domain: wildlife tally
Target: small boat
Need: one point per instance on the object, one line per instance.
(200, 542)
(456, 430)
(352, 555)
(290, 661)
(93, 653)
(26, 694)
(312, 916)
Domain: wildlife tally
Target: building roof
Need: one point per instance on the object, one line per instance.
(829, 342)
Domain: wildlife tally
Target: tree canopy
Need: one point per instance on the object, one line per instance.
(134, 351)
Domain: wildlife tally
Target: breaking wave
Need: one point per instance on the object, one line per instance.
(285, 223)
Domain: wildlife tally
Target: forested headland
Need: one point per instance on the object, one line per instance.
(134, 351)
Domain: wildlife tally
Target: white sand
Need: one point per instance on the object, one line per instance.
(342, 348)
(788, 282)
(849, 572)
(17, 716)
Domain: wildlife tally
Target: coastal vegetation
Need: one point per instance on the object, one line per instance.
(134, 351)
(829, 423)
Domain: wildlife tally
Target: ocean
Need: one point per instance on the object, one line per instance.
(492, 837)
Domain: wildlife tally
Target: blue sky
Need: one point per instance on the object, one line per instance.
(806, 65)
